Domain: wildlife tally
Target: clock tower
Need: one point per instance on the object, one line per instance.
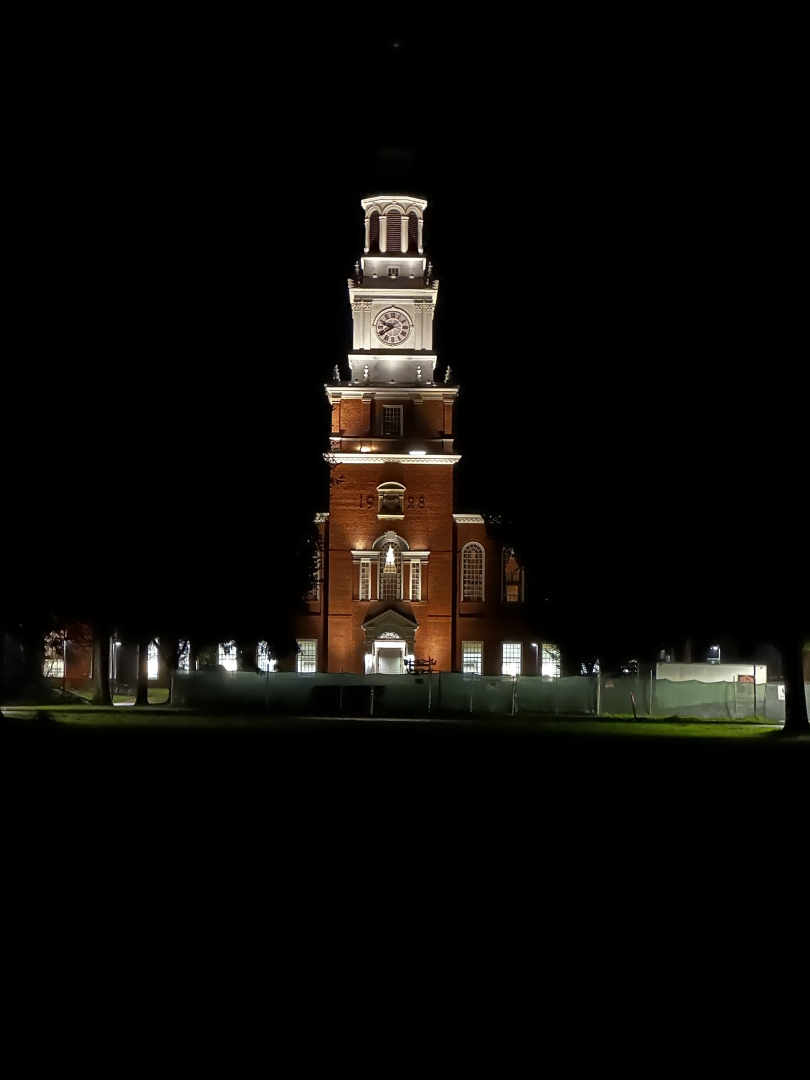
(389, 555)
(403, 578)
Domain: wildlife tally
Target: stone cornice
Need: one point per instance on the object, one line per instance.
(346, 391)
(374, 556)
(395, 459)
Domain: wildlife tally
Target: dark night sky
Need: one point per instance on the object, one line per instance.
(194, 203)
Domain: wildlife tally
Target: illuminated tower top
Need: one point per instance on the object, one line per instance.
(393, 296)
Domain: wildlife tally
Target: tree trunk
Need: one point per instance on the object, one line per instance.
(796, 719)
(142, 693)
(101, 668)
(171, 657)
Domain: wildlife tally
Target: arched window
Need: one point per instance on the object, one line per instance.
(472, 572)
(511, 577)
(393, 232)
(390, 576)
(374, 232)
(387, 556)
(413, 231)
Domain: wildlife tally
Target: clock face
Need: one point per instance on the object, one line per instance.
(392, 326)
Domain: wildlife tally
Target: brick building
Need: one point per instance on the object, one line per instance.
(404, 579)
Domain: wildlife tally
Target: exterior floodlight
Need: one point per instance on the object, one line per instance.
(417, 453)
(365, 449)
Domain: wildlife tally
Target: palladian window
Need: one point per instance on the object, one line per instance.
(472, 572)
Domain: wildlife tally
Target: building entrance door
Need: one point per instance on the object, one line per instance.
(389, 657)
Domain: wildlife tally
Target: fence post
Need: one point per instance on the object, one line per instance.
(599, 694)
(371, 713)
(755, 691)
(651, 690)
(514, 692)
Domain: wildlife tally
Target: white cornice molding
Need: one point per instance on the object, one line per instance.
(468, 519)
(395, 292)
(362, 390)
(395, 459)
(374, 556)
(385, 198)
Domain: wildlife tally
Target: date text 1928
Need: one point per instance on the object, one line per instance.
(414, 502)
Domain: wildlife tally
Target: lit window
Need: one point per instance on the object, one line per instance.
(551, 661)
(392, 420)
(512, 577)
(390, 573)
(152, 659)
(183, 656)
(365, 579)
(416, 580)
(53, 666)
(472, 572)
(226, 655)
(264, 661)
(472, 657)
(307, 655)
(511, 657)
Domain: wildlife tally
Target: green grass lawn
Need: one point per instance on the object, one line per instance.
(178, 719)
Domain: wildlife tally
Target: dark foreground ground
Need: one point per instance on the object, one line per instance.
(429, 872)
(545, 772)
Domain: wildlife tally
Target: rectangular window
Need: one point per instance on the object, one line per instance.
(472, 657)
(53, 666)
(308, 655)
(184, 656)
(416, 580)
(390, 573)
(392, 420)
(226, 655)
(512, 657)
(365, 579)
(264, 661)
(152, 659)
(551, 661)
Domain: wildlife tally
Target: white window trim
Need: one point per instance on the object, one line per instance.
(394, 434)
(415, 580)
(519, 644)
(302, 658)
(479, 656)
(365, 592)
(474, 543)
